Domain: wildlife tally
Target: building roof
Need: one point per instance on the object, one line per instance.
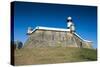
(47, 28)
(55, 29)
(51, 28)
(82, 38)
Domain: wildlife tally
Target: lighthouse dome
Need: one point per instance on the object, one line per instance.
(69, 18)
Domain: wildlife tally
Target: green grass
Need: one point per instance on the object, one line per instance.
(48, 55)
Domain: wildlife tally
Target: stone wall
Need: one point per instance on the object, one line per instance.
(46, 38)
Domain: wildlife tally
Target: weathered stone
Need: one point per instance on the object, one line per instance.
(49, 38)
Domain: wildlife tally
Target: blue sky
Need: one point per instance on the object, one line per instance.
(27, 14)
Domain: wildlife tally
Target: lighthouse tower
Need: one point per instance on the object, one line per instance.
(70, 25)
(70, 37)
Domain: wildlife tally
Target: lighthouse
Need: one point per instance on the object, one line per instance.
(70, 37)
(70, 25)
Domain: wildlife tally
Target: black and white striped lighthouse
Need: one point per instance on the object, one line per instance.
(70, 25)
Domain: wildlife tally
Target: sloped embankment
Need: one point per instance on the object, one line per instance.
(26, 56)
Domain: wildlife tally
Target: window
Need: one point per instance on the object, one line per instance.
(59, 35)
(42, 35)
(53, 34)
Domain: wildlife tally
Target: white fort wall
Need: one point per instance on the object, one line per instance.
(55, 37)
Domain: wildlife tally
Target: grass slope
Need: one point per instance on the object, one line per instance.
(26, 56)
